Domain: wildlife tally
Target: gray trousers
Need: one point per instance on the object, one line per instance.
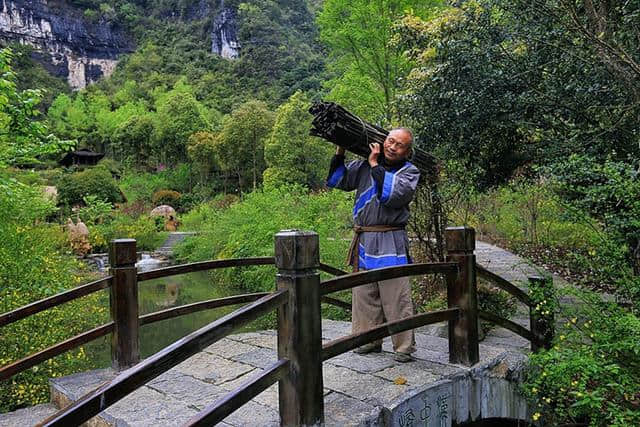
(387, 300)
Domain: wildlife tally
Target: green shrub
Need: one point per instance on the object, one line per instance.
(199, 217)
(523, 213)
(247, 229)
(34, 265)
(144, 229)
(166, 197)
(141, 186)
(95, 211)
(96, 181)
(590, 375)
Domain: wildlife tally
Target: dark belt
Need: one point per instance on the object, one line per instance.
(353, 257)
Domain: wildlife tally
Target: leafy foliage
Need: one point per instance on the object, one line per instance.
(34, 265)
(22, 138)
(359, 34)
(293, 156)
(246, 229)
(501, 83)
(97, 181)
(591, 373)
(166, 197)
(239, 147)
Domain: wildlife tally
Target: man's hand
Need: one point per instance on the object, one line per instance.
(373, 156)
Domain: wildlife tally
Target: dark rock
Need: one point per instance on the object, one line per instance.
(66, 43)
(224, 41)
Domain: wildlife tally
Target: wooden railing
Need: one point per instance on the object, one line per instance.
(541, 326)
(297, 299)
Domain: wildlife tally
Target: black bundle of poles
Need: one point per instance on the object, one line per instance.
(343, 128)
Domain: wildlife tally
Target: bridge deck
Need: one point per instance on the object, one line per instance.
(357, 387)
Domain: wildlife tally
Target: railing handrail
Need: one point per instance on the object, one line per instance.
(221, 408)
(504, 284)
(297, 299)
(350, 342)
(54, 300)
(104, 282)
(331, 270)
(32, 360)
(27, 362)
(203, 265)
(368, 276)
(138, 375)
(507, 324)
(185, 309)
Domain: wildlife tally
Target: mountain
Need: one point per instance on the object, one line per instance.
(261, 48)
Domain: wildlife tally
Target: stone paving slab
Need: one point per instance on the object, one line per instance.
(357, 387)
(509, 265)
(27, 416)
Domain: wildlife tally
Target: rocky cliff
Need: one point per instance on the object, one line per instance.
(223, 34)
(66, 43)
(82, 51)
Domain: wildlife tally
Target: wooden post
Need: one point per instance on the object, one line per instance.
(462, 293)
(542, 323)
(125, 345)
(299, 328)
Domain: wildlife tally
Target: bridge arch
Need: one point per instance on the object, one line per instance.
(485, 394)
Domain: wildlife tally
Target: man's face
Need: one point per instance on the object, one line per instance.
(397, 146)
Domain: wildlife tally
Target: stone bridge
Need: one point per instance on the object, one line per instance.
(370, 389)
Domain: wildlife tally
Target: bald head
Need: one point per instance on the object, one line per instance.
(397, 146)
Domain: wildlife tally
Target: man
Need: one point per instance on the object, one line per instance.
(380, 214)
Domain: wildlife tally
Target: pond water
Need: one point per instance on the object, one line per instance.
(159, 294)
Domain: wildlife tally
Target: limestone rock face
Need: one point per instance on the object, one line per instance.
(223, 34)
(66, 43)
(70, 45)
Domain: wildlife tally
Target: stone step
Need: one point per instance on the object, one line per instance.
(27, 416)
(173, 239)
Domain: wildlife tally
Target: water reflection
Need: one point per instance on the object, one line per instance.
(160, 294)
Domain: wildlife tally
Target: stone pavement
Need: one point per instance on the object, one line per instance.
(517, 271)
(358, 388)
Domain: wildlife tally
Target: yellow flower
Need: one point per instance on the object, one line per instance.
(536, 416)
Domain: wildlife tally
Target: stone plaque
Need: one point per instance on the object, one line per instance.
(430, 406)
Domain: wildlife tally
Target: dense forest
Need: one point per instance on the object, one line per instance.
(532, 109)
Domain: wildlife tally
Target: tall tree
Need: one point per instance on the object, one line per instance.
(360, 34)
(179, 115)
(22, 137)
(291, 154)
(502, 83)
(201, 150)
(239, 146)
